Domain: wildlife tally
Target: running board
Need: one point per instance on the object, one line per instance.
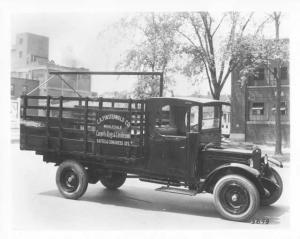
(177, 191)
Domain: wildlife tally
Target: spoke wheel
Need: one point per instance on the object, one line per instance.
(114, 180)
(236, 198)
(71, 179)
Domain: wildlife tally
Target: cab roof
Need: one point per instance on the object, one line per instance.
(190, 100)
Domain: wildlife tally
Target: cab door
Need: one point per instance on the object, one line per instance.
(167, 155)
(175, 155)
(167, 141)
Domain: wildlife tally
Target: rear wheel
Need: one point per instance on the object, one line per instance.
(274, 193)
(114, 180)
(71, 179)
(236, 198)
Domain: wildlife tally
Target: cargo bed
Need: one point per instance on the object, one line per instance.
(91, 127)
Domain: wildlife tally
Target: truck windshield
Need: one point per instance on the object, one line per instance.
(211, 117)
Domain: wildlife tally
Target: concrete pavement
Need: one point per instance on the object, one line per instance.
(37, 204)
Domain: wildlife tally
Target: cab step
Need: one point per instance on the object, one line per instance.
(177, 190)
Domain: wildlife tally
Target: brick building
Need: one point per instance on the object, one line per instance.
(20, 86)
(30, 60)
(253, 106)
(55, 87)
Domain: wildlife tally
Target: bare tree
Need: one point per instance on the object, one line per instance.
(217, 62)
(155, 51)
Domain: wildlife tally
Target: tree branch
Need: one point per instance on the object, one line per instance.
(218, 25)
(262, 25)
(199, 37)
(189, 39)
(229, 70)
(211, 88)
(230, 40)
(211, 62)
(246, 23)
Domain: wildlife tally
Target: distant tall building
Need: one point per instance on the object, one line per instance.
(30, 61)
(29, 48)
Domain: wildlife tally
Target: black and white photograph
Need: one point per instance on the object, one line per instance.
(149, 120)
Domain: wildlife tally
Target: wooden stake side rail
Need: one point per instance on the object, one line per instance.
(68, 98)
(79, 109)
(54, 126)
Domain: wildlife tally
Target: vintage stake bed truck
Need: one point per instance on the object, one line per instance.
(175, 142)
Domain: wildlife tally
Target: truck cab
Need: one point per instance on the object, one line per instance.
(177, 130)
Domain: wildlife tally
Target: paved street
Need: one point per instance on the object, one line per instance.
(38, 205)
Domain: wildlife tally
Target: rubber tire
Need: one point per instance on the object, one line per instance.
(114, 181)
(253, 196)
(275, 195)
(82, 178)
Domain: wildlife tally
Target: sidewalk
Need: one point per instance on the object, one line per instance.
(266, 149)
(15, 135)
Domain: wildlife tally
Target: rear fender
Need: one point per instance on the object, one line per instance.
(233, 168)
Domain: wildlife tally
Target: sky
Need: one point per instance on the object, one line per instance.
(92, 40)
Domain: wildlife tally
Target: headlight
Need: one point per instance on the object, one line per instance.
(250, 161)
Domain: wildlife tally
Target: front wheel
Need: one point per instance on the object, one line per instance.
(114, 180)
(236, 198)
(71, 179)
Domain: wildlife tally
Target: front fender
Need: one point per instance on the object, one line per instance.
(274, 162)
(233, 168)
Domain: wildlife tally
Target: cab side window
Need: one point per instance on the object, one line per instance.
(162, 118)
(164, 122)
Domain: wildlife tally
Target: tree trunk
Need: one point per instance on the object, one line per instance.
(278, 92)
(217, 93)
(277, 28)
(278, 115)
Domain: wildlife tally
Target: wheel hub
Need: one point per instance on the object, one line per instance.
(234, 197)
(69, 180)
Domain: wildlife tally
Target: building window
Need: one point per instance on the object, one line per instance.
(20, 41)
(283, 73)
(12, 89)
(258, 108)
(259, 74)
(20, 54)
(33, 58)
(283, 108)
